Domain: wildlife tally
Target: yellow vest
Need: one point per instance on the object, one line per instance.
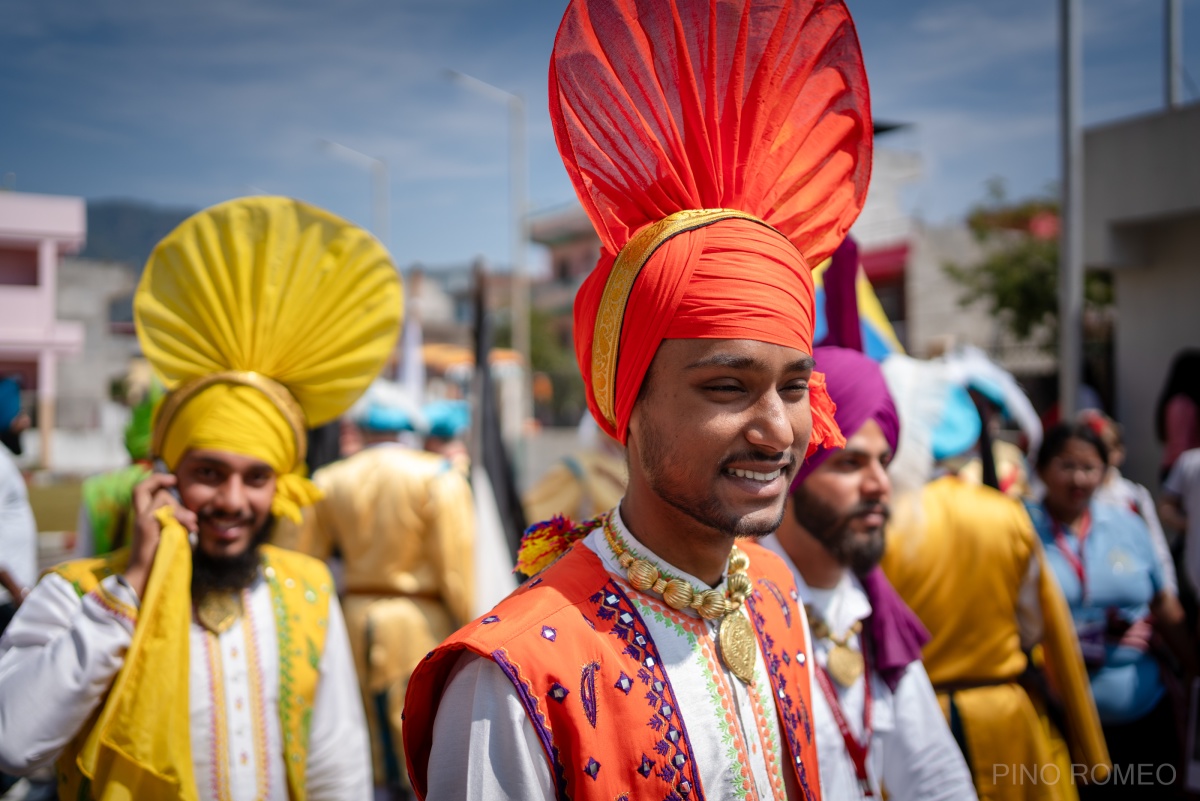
(137, 745)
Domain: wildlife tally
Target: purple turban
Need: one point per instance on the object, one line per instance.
(855, 382)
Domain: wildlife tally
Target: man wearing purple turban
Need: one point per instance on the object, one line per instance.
(878, 721)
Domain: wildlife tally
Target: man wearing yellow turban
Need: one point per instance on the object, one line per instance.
(210, 664)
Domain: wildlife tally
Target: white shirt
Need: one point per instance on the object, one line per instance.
(61, 653)
(1184, 483)
(485, 748)
(18, 530)
(912, 754)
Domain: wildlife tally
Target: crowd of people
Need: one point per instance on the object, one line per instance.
(780, 569)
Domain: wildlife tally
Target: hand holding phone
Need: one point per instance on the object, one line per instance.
(156, 491)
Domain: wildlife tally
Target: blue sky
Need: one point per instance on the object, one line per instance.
(188, 103)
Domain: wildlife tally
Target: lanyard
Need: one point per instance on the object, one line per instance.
(1073, 559)
(854, 747)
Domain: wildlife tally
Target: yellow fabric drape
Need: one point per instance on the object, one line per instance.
(1004, 720)
(140, 744)
(1063, 662)
(970, 547)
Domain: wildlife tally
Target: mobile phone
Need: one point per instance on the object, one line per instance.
(161, 467)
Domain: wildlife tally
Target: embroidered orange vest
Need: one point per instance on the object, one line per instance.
(589, 676)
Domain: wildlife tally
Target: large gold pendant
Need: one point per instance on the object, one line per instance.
(217, 611)
(845, 665)
(736, 646)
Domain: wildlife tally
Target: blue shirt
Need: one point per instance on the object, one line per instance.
(1123, 576)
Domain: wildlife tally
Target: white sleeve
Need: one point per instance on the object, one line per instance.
(484, 747)
(1029, 604)
(339, 752)
(58, 658)
(1162, 551)
(920, 758)
(18, 530)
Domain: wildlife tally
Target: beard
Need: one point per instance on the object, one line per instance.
(858, 550)
(228, 573)
(699, 505)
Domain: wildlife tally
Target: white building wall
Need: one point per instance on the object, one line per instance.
(1158, 315)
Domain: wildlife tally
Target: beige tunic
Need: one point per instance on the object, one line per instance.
(403, 523)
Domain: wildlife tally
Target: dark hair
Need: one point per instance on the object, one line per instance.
(1184, 379)
(1057, 438)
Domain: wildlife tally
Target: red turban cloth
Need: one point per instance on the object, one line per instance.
(663, 108)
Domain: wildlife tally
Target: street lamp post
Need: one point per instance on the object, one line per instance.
(518, 193)
(1070, 270)
(380, 187)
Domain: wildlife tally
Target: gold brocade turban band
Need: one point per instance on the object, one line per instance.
(264, 317)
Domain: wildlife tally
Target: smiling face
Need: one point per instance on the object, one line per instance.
(719, 431)
(843, 504)
(231, 495)
(1071, 477)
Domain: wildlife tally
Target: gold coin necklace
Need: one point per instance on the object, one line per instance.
(736, 645)
(845, 665)
(219, 610)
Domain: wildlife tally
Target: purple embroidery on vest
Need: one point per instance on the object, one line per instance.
(533, 709)
(591, 768)
(549, 633)
(558, 692)
(491, 619)
(624, 684)
(629, 627)
(792, 712)
(773, 588)
(646, 768)
(587, 692)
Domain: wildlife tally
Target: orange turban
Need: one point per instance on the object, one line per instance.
(722, 149)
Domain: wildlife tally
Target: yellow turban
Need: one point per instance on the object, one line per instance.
(264, 317)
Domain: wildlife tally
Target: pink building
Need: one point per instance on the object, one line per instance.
(35, 230)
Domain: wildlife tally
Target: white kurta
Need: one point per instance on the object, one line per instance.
(484, 746)
(61, 653)
(912, 753)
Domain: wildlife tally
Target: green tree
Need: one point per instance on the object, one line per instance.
(552, 356)
(1018, 276)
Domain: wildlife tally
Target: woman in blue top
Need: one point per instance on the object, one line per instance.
(1103, 559)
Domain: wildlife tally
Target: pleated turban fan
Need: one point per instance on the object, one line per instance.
(264, 317)
(721, 149)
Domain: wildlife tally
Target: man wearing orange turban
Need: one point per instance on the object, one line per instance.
(721, 149)
(217, 668)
